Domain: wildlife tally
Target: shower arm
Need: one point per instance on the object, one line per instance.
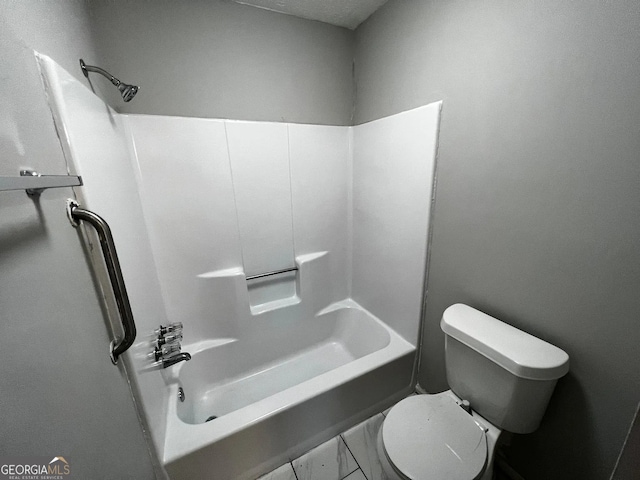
(127, 91)
(90, 68)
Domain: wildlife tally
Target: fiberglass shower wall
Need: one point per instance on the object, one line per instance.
(229, 197)
(197, 204)
(249, 197)
(393, 179)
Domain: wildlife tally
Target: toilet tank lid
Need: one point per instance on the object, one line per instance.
(518, 352)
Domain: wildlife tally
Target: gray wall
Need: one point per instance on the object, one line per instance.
(213, 58)
(60, 394)
(538, 199)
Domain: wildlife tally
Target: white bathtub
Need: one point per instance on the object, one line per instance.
(282, 400)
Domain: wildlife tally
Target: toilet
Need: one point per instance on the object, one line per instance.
(501, 380)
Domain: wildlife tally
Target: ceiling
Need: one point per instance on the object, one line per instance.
(343, 13)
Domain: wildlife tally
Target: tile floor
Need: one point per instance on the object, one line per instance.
(352, 455)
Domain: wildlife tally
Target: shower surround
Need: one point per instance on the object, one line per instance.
(280, 363)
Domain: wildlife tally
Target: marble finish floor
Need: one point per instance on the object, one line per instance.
(352, 455)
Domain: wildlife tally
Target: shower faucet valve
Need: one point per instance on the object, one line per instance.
(167, 345)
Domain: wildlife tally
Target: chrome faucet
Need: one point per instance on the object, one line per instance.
(175, 358)
(167, 345)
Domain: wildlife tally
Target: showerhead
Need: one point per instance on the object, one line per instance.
(127, 91)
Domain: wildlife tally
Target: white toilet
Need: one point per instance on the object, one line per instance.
(501, 379)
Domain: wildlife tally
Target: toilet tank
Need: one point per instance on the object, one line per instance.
(507, 375)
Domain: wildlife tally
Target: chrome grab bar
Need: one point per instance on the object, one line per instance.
(75, 213)
(275, 272)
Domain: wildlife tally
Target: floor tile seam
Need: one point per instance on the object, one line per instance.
(356, 470)
(294, 470)
(354, 457)
(340, 437)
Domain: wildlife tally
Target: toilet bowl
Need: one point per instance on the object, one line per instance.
(435, 437)
(501, 379)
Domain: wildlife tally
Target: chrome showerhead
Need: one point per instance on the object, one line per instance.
(127, 91)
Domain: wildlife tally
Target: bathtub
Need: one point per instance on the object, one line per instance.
(243, 415)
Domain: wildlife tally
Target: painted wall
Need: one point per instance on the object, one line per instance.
(61, 396)
(217, 59)
(537, 203)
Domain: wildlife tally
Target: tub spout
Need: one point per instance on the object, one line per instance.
(173, 359)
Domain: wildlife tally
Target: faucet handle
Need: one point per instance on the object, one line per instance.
(170, 348)
(174, 327)
(166, 350)
(162, 330)
(172, 338)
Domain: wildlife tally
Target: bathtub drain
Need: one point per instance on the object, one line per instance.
(212, 417)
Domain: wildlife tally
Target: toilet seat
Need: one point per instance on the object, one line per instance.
(432, 437)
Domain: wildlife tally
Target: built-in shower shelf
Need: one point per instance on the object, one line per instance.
(274, 305)
(34, 183)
